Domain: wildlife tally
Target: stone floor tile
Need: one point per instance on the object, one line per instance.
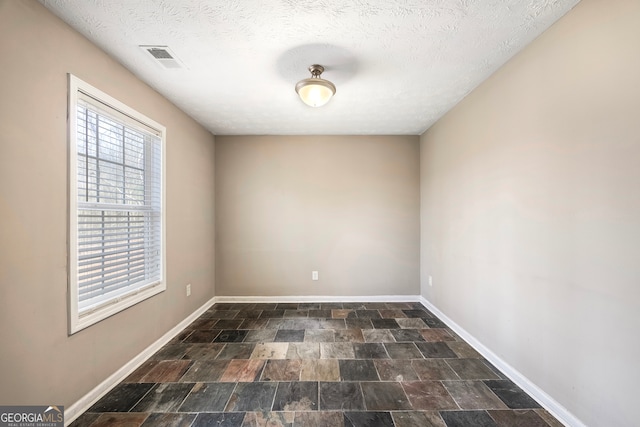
(413, 323)
(282, 370)
(319, 335)
(395, 370)
(337, 350)
(320, 313)
(272, 350)
(260, 335)
(296, 313)
(298, 323)
(433, 370)
(549, 419)
(249, 314)
(275, 323)
(256, 396)
(332, 323)
(272, 314)
(417, 419)
(342, 314)
(221, 314)
(309, 306)
(296, 396)
(407, 335)
(219, 419)
(120, 420)
(472, 369)
(237, 351)
(358, 324)
(436, 335)
(354, 305)
(289, 335)
(391, 314)
(203, 323)
(171, 352)
(331, 306)
(385, 323)
(436, 350)
(434, 322)
(243, 370)
(307, 364)
(405, 350)
(207, 397)
(303, 350)
(384, 396)
(370, 351)
(417, 313)
(368, 419)
(202, 336)
(512, 395)
(169, 420)
(368, 314)
(228, 324)
(377, 335)
(268, 419)
(203, 351)
(375, 305)
(86, 419)
(167, 371)
(348, 335)
(358, 370)
(142, 370)
(265, 306)
(163, 397)
(344, 395)
(517, 418)
(231, 335)
(122, 398)
(463, 350)
(319, 419)
(205, 371)
(428, 396)
(320, 370)
(255, 324)
(467, 419)
(473, 395)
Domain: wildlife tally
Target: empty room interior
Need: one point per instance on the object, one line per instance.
(453, 239)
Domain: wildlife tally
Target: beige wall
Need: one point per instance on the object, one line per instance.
(39, 363)
(530, 212)
(343, 205)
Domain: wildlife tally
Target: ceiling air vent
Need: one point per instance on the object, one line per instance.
(164, 56)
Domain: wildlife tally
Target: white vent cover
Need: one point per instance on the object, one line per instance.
(164, 56)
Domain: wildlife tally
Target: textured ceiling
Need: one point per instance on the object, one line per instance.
(398, 65)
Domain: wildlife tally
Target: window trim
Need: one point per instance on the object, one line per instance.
(77, 321)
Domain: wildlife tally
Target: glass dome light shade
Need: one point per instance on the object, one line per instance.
(315, 92)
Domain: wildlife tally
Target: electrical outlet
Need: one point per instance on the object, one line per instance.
(314, 275)
(189, 289)
(430, 281)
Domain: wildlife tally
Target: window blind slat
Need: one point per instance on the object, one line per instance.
(105, 276)
(119, 285)
(119, 222)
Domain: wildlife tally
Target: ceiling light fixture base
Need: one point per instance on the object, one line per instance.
(315, 91)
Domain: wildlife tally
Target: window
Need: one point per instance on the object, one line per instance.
(116, 206)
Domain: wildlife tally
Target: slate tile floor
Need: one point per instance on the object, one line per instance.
(325, 365)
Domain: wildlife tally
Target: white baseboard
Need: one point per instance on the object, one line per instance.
(546, 401)
(318, 298)
(86, 401)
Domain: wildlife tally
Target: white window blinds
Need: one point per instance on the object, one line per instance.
(118, 206)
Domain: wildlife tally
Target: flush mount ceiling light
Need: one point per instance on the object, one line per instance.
(315, 91)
